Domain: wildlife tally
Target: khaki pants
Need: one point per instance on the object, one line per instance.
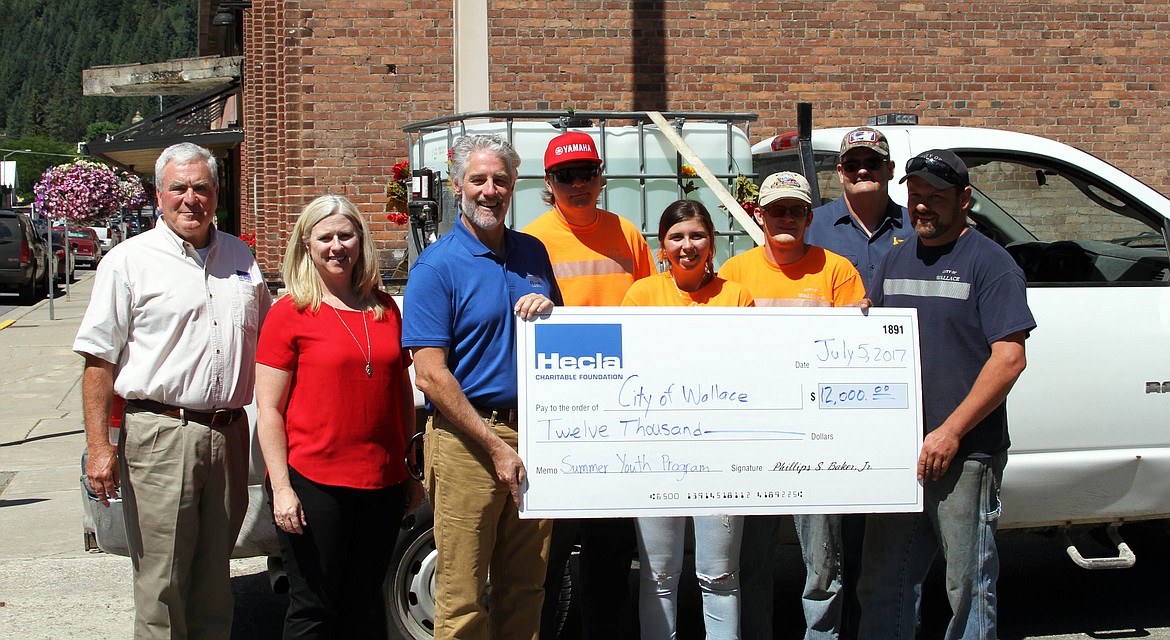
(477, 527)
(185, 493)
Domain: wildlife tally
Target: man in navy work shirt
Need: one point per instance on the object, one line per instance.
(973, 318)
(864, 223)
(465, 296)
(861, 226)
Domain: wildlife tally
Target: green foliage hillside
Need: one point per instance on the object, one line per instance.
(45, 44)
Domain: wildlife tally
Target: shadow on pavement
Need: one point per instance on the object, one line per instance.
(259, 612)
(20, 502)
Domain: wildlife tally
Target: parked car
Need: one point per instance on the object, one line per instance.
(87, 248)
(64, 263)
(108, 235)
(136, 224)
(24, 260)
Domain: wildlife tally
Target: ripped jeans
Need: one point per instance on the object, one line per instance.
(959, 517)
(660, 545)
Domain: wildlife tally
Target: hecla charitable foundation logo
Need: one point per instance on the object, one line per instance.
(578, 346)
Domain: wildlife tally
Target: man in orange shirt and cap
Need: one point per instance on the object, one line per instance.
(596, 256)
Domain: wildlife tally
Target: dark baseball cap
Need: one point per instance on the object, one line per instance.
(940, 167)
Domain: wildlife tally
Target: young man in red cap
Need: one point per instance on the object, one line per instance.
(596, 256)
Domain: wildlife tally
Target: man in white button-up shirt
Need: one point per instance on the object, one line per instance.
(172, 328)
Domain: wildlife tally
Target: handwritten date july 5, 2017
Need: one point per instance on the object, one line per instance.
(842, 353)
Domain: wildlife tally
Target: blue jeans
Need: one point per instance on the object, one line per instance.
(820, 546)
(822, 600)
(717, 543)
(959, 517)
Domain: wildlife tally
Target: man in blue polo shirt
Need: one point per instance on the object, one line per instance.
(864, 223)
(465, 295)
(973, 319)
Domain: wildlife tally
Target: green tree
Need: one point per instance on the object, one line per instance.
(101, 129)
(40, 85)
(41, 154)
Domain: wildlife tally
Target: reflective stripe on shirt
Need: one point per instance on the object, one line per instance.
(927, 288)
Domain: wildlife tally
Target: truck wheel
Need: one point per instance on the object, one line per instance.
(568, 622)
(42, 286)
(410, 581)
(29, 291)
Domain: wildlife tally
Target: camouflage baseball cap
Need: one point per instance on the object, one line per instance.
(865, 137)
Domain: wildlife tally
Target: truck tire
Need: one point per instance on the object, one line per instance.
(410, 580)
(28, 291)
(409, 587)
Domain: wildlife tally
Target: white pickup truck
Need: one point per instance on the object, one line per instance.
(1089, 417)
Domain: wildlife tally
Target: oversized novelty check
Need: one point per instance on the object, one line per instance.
(713, 410)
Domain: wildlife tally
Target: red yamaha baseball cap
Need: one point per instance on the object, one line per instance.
(573, 146)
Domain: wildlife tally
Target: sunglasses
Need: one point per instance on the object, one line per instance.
(935, 166)
(573, 174)
(870, 164)
(796, 212)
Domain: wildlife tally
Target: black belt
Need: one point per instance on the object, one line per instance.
(500, 414)
(215, 418)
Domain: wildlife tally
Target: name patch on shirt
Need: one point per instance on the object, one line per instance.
(244, 276)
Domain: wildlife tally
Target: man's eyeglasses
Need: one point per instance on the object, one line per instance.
(937, 167)
(871, 164)
(796, 212)
(573, 174)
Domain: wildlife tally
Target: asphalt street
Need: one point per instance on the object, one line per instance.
(51, 588)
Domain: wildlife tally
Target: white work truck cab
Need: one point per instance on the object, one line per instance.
(1088, 418)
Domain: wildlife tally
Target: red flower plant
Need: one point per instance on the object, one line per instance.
(396, 190)
(401, 171)
(250, 240)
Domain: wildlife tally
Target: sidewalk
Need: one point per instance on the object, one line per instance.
(50, 587)
(41, 437)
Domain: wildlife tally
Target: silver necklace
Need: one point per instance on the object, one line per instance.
(690, 302)
(369, 351)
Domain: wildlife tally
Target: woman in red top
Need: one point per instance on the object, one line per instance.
(336, 410)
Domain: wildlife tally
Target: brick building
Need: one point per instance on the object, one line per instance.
(328, 84)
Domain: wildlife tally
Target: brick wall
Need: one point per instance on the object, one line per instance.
(328, 86)
(324, 111)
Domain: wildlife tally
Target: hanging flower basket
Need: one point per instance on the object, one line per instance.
(85, 191)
